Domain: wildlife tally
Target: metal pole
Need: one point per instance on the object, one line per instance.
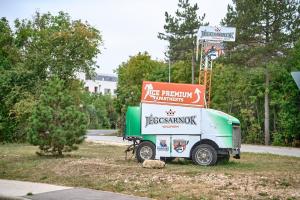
(210, 77)
(201, 62)
(169, 70)
(193, 67)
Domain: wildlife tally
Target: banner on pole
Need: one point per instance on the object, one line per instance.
(217, 33)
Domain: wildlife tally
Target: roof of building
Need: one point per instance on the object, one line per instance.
(105, 77)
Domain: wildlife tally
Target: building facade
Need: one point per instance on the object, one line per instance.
(101, 84)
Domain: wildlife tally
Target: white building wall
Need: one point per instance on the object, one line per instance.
(99, 86)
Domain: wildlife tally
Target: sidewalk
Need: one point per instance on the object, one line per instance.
(21, 190)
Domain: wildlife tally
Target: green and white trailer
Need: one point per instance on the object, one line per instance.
(164, 130)
(206, 135)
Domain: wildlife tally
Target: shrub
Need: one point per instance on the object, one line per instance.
(57, 122)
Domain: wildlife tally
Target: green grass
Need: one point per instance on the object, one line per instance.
(254, 176)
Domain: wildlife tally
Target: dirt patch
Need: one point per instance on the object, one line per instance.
(132, 177)
(84, 167)
(240, 186)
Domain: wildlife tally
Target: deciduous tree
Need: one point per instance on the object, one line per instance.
(38, 49)
(266, 30)
(130, 78)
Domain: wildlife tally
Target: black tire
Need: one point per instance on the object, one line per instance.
(204, 155)
(145, 151)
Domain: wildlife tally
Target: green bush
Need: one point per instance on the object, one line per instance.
(57, 122)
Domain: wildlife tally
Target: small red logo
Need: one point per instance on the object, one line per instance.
(180, 145)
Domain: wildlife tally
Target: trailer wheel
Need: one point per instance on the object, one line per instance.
(204, 155)
(145, 151)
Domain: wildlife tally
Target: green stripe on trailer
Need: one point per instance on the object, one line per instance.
(133, 125)
(151, 138)
(133, 122)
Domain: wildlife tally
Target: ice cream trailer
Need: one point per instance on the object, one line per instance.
(172, 121)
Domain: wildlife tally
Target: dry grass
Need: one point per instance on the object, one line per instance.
(255, 176)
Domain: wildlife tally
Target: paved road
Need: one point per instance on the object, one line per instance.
(285, 151)
(19, 190)
(101, 132)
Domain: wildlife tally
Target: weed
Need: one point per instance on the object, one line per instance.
(43, 178)
(263, 194)
(285, 183)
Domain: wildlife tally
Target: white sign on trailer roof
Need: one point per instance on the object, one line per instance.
(213, 33)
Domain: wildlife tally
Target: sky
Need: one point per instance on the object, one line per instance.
(127, 27)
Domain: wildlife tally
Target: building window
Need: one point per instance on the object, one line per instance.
(106, 91)
(96, 89)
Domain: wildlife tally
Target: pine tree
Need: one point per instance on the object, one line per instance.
(181, 32)
(57, 123)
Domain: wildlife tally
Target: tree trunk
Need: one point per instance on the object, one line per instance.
(267, 109)
(274, 120)
(267, 74)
